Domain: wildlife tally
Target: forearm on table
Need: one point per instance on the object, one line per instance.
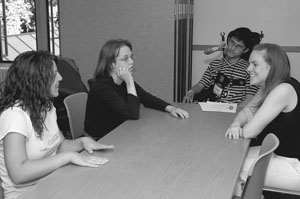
(71, 145)
(151, 101)
(31, 170)
(243, 117)
(169, 108)
(246, 101)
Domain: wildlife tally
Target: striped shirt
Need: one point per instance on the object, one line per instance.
(235, 71)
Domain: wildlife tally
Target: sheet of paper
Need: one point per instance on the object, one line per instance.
(218, 107)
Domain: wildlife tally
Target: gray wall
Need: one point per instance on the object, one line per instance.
(148, 24)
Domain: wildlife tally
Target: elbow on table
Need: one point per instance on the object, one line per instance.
(249, 132)
(17, 180)
(248, 136)
(131, 112)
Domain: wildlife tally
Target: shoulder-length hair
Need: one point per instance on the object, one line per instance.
(279, 67)
(28, 84)
(107, 56)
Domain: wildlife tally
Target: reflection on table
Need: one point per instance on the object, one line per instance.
(157, 157)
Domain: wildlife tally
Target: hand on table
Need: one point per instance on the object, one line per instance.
(189, 97)
(234, 132)
(91, 145)
(87, 160)
(177, 112)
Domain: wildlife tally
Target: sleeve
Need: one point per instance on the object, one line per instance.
(149, 100)
(12, 120)
(207, 77)
(121, 103)
(252, 90)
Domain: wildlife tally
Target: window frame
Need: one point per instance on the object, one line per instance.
(42, 27)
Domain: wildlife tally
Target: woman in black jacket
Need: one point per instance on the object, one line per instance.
(115, 97)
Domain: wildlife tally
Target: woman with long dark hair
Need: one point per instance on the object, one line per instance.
(31, 144)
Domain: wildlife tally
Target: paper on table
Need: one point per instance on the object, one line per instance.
(218, 107)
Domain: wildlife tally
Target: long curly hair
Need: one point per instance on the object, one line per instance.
(28, 84)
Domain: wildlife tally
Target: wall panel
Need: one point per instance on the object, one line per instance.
(149, 25)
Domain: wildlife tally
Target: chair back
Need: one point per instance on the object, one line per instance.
(75, 106)
(1, 190)
(256, 176)
(285, 191)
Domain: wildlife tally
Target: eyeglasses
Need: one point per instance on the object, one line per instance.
(126, 58)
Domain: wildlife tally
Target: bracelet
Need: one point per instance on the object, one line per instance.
(191, 91)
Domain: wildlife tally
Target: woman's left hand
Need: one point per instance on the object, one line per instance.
(177, 112)
(91, 145)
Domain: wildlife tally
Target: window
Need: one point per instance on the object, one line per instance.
(53, 19)
(28, 25)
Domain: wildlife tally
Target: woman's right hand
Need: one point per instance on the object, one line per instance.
(125, 74)
(234, 132)
(87, 160)
(189, 97)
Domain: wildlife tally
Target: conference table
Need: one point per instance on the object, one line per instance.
(156, 157)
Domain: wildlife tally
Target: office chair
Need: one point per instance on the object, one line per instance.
(91, 82)
(70, 84)
(257, 173)
(75, 106)
(284, 191)
(1, 190)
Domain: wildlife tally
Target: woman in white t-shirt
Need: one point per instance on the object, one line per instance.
(31, 144)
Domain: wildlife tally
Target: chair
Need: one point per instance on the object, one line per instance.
(75, 105)
(256, 176)
(91, 82)
(70, 84)
(284, 191)
(1, 190)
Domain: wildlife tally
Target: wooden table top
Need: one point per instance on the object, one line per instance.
(156, 157)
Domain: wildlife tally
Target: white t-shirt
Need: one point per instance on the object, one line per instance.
(18, 121)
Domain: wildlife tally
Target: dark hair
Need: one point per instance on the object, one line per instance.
(28, 83)
(279, 67)
(107, 56)
(249, 38)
